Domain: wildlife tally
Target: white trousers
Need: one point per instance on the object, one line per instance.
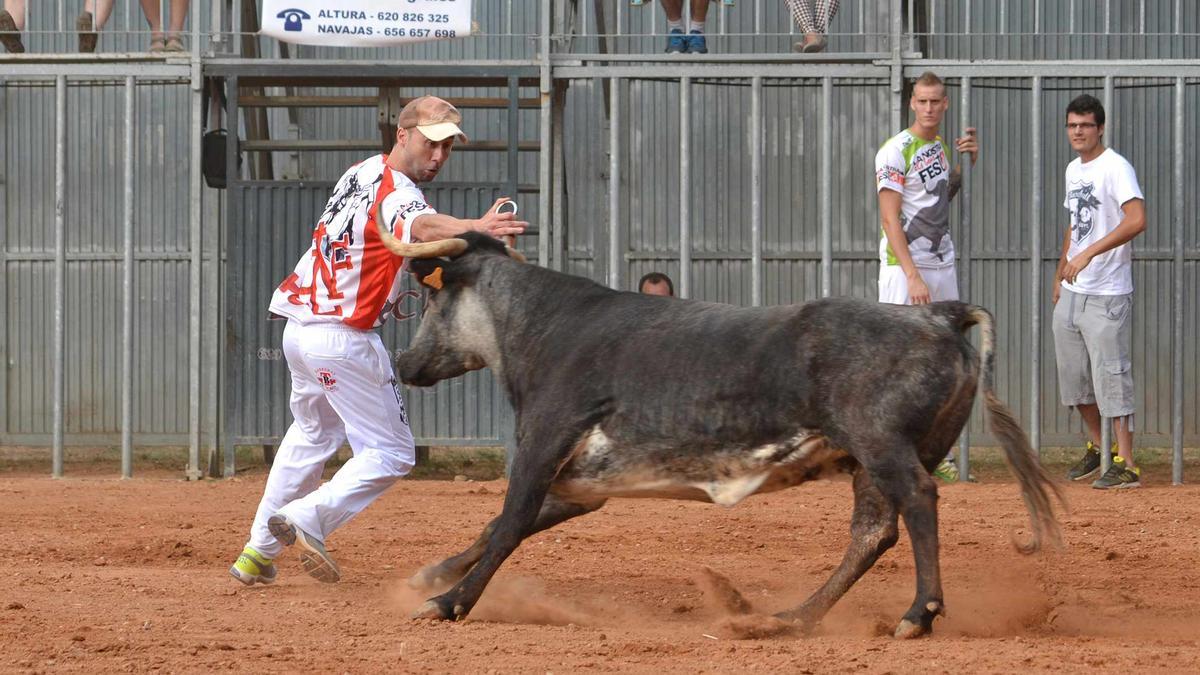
(343, 388)
(893, 285)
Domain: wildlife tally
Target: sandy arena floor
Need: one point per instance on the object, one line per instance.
(108, 575)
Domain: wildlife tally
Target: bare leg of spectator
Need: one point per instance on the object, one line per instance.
(95, 14)
(692, 40)
(812, 17)
(170, 42)
(12, 22)
(179, 12)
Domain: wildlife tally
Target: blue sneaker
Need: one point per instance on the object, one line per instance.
(696, 43)
(677, 42)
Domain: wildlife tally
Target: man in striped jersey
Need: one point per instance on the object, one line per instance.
(343, 388)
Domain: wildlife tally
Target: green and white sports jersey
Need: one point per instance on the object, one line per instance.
(920, 171)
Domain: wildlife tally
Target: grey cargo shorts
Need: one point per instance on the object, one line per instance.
(1091, 346)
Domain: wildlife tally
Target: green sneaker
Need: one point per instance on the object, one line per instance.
(252, 566)
(313, 557)
(947, 471)
(1119, 476)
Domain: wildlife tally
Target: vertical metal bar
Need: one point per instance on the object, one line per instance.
(546, 145)
(912, 26)
(514, 135)
(62, 17)
(194, 17)
(826, 186)
(508, 17)
(614, 184)
(231, 289)
(1105, 443)
(1071, 16)
(1110, 117)
(620, 17)
(963, 251)
(127, 291)
(967, 18)
(1142, 16)
(685, 182)
(932, 17)
(1178, 17)
(1035, 273)
(195, 320)
(558, 179)
(758, 24)
(862, 17)
(756, 191)
(237, 33)
(1003, 16)
(1177, 319)
(897, 74)
(1107, 16)
(60, 269)
(5, 178)
(1037, 17)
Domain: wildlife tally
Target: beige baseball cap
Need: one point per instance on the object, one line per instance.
(433, 117)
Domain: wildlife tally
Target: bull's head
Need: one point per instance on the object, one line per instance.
(457, 333)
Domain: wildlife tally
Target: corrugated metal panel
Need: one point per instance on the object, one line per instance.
(93, 217)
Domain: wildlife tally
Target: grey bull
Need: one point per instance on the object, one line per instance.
(626, 395)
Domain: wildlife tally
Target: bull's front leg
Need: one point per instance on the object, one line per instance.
(454, 568)
(532, 472)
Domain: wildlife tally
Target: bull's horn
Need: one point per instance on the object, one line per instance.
(515, 254)
(429, 249)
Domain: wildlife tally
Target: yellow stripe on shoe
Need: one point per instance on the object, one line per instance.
(251, 567)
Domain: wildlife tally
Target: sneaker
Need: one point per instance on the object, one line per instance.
(87, 35)
(677, 42)
(9, 35)
(1087, 465)
(696, 43)
(947, 471)
(1118, 476)
(252, 566)
(313, 557)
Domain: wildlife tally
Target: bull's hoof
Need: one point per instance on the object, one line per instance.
(802, 622)
(923, 624)
(432, 610)
(908, 630)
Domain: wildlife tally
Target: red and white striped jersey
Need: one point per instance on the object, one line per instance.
(348, 276)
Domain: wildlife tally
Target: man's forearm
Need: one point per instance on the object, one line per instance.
(437, 226)
(955, 180)
(898, 244)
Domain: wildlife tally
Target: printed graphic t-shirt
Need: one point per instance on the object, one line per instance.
(348, 276)
(1095, 192)
(920, 171)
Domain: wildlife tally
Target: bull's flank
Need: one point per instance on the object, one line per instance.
(628, 395)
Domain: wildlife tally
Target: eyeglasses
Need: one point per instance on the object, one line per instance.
(1072, 126)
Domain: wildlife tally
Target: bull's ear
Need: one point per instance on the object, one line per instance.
(428, 271)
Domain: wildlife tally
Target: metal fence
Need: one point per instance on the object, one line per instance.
(744, 173)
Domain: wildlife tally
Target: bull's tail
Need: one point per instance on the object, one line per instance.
(1035, 483)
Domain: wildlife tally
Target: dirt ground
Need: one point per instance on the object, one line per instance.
(106, 575)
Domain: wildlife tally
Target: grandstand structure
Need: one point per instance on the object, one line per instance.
(135, 291)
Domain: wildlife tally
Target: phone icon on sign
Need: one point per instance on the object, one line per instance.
(292, 19)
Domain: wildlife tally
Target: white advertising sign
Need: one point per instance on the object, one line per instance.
(365, 23)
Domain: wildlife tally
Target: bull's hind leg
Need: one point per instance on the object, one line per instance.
(873, 530)
(914, 494)
(454, 568)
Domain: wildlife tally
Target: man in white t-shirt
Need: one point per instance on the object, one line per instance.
(343, 387)
(915, 185)
(1093, 292)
